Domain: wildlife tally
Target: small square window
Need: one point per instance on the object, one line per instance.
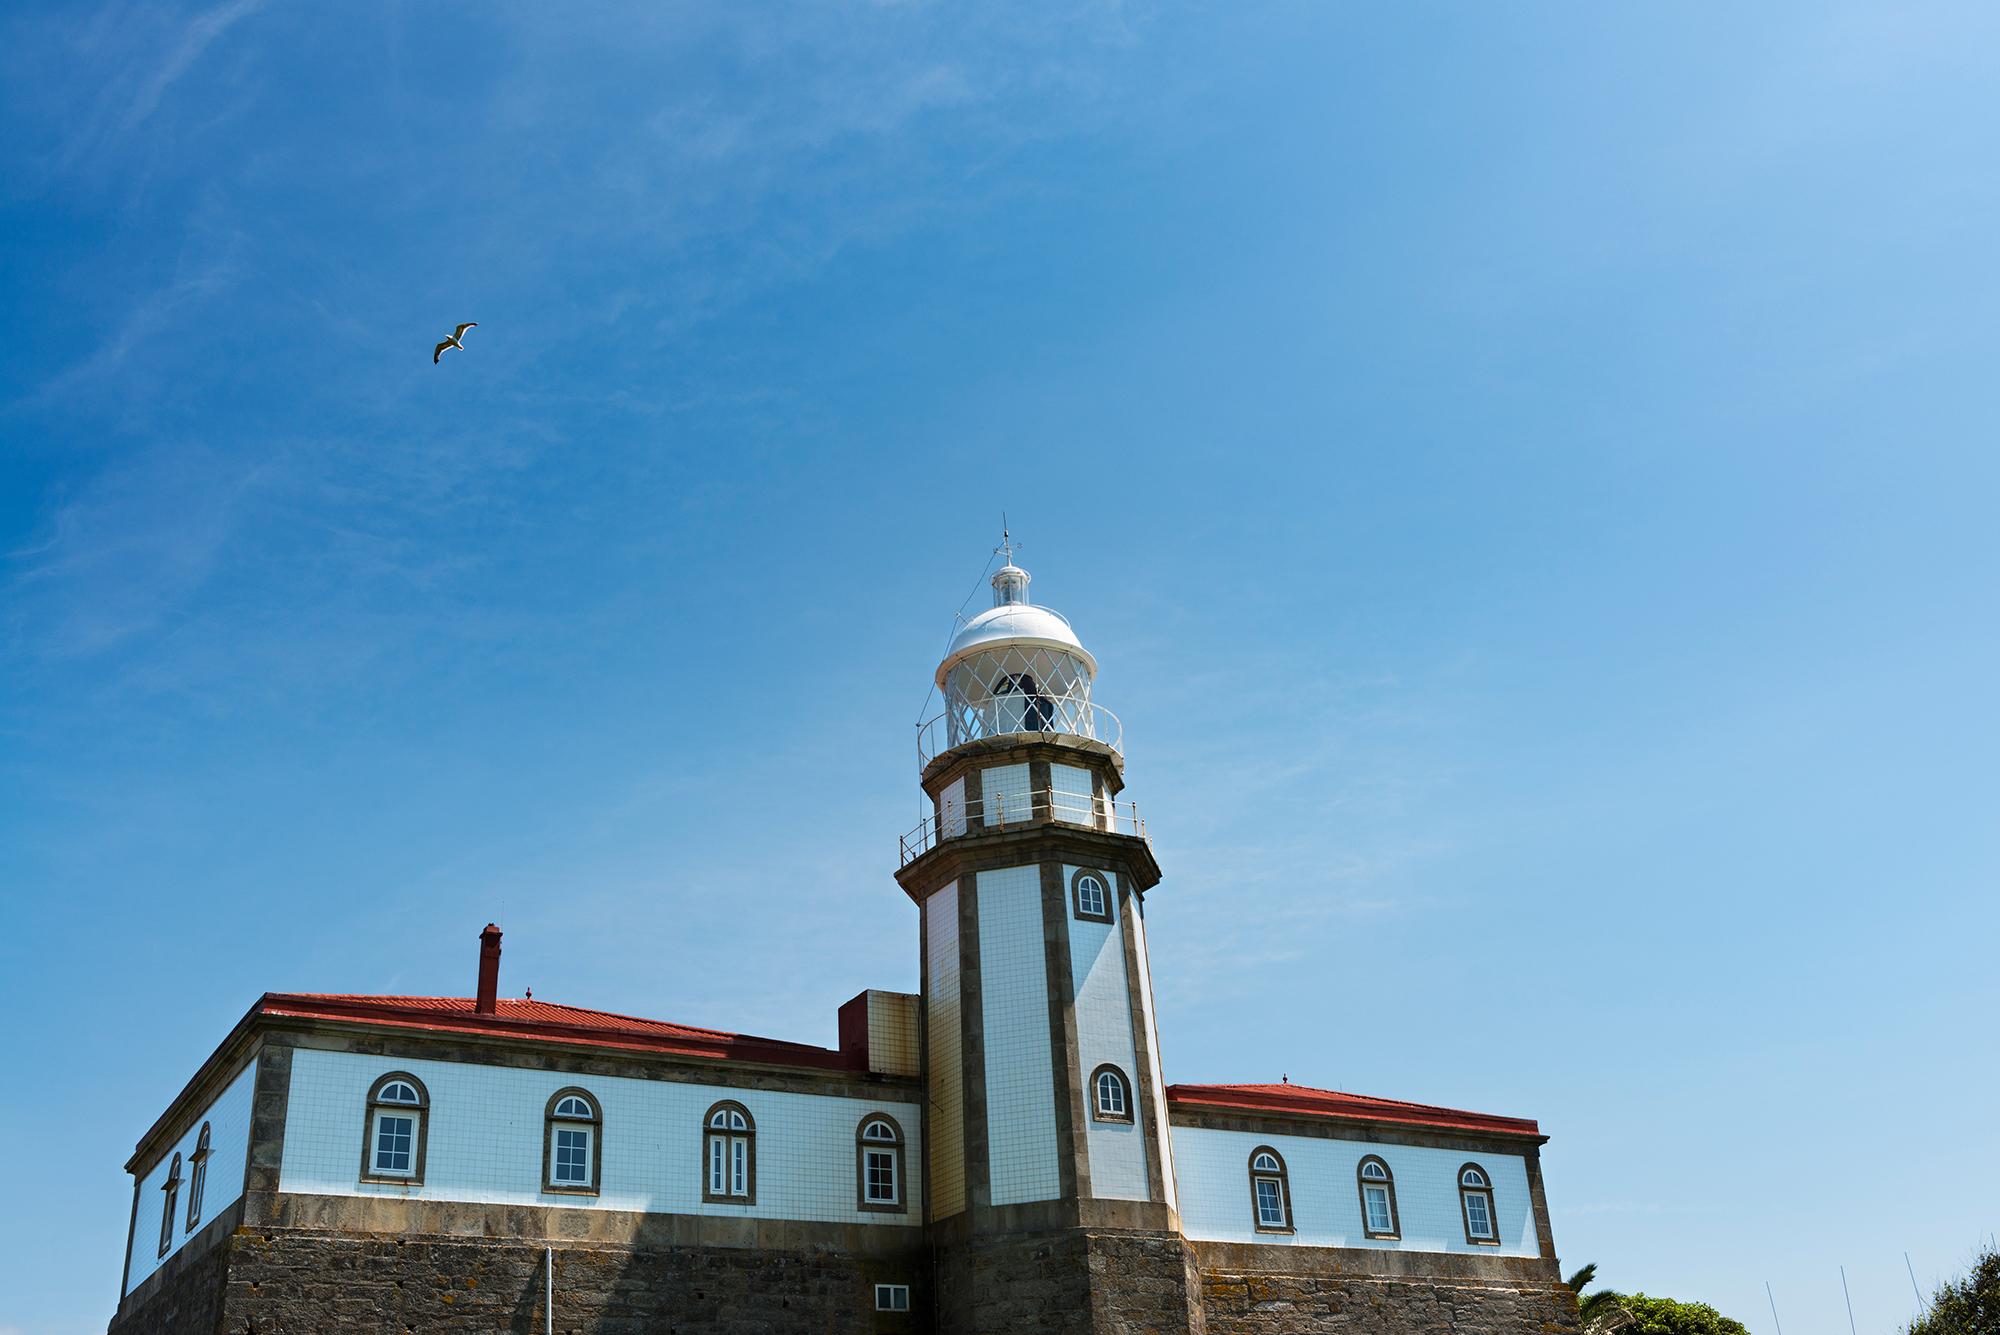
(892, 1297)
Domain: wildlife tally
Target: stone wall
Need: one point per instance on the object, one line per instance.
(296, 1282)
(1145, 1284)
(303, 1281)
(1269, 1303)
(184, 1296)
(1073, 1282)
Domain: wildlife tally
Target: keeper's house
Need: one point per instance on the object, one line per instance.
(998, 1153)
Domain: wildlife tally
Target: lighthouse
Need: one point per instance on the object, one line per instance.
(1048, 1153)
(995, 1153)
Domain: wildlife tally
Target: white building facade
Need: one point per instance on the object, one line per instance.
(1000, 1151)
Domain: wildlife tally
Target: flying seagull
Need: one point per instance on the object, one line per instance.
(453, 341)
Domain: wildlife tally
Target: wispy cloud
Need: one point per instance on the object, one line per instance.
(133, 56)
(712, 188)
(125, 552)
(195, 38)
(152, 315)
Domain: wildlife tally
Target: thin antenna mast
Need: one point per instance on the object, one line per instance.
(1774, 1307)
(1921, 1304)
(1850, 1301)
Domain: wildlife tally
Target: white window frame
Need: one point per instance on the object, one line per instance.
(400, 1095)
(1475, 1186)
(879, 1138)
(1267, 1169)
(1375, 1196)
(572, 1112)
(567, 1128)
(1479, 1216)
(1111, 1077)
(1089, 884)
(887, 1155)
(1378, 1199)
(197, 1183)
(1270, 1202)
(409, 1112)
(169, 1206)
(726, 1157)
(892, 1297)
(415, 1100)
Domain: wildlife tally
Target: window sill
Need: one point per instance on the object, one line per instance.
(1282, 1232)
(551, 1189)
(1112, 1118)
(881, 1207)
(377, 1180)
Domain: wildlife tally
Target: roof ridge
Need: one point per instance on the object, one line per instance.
(640, 1019)
(1335, 1102)
(1344, 1094)
(469, 1006)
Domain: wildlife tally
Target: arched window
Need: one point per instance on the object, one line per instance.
(879, 1163)
(1378, 1199)
(1110, 1095)
(1270, 1191)
(1090, 895)
(392, 1144)
(1475, 1199)
(729, 1155)
(197, 1177)
(172, 1188)
(572, 1143)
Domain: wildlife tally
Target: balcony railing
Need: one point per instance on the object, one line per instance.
(1018, 716)
(1039, 806)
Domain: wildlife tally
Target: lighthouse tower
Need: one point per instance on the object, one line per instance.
(1047, 1145)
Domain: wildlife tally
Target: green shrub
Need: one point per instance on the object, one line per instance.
(1666, 1316)
(1966, 1306)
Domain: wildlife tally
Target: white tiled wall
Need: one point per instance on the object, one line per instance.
(1074, 799)
(1014, 1011)
(1003, 793)
(228, 1121)
(1104, 1034)
(1215, 1192)
(893, 1048)
(485, 1140)
(1163, 1143)
(951, 809)
(947, 1072)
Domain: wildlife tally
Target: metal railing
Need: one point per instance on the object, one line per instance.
(1018, 716)
(1043, 806)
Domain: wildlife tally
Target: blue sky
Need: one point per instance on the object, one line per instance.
(1528, 473)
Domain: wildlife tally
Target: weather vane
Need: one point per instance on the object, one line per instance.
(1006, 548)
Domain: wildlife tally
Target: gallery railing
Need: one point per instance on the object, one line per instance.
(1022, 808)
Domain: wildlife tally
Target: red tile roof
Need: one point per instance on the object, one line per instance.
(518, 1018)
(1301, 1100)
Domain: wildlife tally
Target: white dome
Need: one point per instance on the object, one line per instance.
(1013, 624)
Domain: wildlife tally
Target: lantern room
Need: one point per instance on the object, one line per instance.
(1015, 669)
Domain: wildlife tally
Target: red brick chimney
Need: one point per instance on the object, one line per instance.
(489, 971)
